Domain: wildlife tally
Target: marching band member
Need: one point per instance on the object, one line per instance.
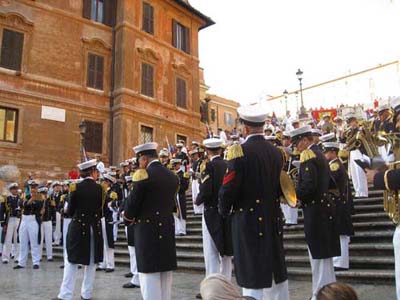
(389, 180)
(29, 231)
(150, 205)
(56, 197)
(196, 177)
(357, 174)
(10, 217)
(180, 220)
(217, 241)
(48, 215)
(341, 190)
(250, 194)
(130, 236)
(318, 209)
(66, 217)
(84, 237)
(108, 263)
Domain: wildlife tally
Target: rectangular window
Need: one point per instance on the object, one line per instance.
(146, 134)
(94, 137)
(8, 124)
(181, 138)
(180, 92)
(148, 18)
(147, 80)
(180, 36)
(228, 119)
(11, 50)
(102, 11)
(95, 71)
(213, 114)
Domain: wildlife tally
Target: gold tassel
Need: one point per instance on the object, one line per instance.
(234, 151)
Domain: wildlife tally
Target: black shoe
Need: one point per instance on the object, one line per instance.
(35, 267)
(79, 267)
(128, 275)
(16, 261)
(109, 270)
(130, 285)
(18, 267)
(100, 269)
(56, 298)
(12, 256)
(50, 259)
(84, 298)
(62, 267)
(5, 262)
(198, 296)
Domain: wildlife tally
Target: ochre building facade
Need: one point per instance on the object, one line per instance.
(129, 69)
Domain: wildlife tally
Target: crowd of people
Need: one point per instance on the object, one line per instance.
(236, 184)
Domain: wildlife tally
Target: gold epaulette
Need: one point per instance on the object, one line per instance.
(343, 154)
(295, 152)
(140, 175)
(203, 166)
(334, 166)
(113, 195)
(307, 155)
(72, 187)
(2, 199)
(234, 151)
(186, 175)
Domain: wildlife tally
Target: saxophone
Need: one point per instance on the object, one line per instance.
(391, 199)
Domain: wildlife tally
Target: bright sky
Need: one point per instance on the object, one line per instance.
(256, 46)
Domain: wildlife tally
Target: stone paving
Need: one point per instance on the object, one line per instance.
(45, 282)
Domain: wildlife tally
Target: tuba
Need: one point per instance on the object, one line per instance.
(391, 199)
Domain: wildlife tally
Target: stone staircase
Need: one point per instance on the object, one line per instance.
(371, 250)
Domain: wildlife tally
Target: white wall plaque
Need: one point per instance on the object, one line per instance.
(53, 113)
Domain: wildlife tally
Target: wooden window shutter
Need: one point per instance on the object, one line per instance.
(86, 8)
(148, 18)
(147, 80)
(110, 11)
(11, 50)
(94, 137)
(174, 35)
(100, 72)
(186, 37)
(91, 70)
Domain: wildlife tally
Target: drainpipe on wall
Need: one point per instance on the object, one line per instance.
(111, 134)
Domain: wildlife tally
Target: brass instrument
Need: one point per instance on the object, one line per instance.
(287, 182)
(391, 199)
(363, 137)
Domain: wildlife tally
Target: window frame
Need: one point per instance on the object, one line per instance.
(142, 125)
(180, 136)
(96, 56)
(181, 36)
(153, 67)
(148, 22)
(227, 113)
(21, 50)
(15, 141)
(100, 142)
(96, 19)
(178, 77)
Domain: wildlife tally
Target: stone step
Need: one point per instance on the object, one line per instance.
(361, 226)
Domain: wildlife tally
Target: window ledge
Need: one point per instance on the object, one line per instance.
(148, 97)
(96, 91)
(10, 145)
(9, 72)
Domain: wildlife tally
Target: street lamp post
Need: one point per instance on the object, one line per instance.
(285, 94)
(303, 113)
(82, 131)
